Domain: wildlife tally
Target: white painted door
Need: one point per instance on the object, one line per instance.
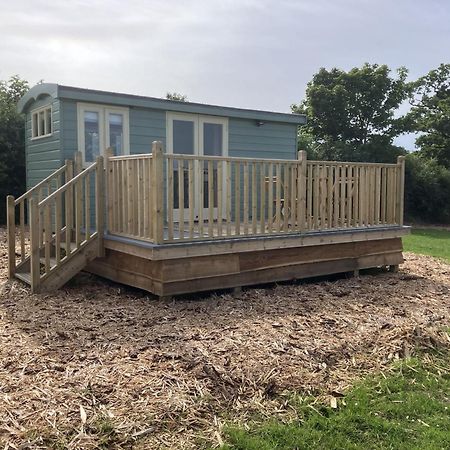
(192, 134)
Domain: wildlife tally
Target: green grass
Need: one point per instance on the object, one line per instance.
(409, 409)
(428, 242)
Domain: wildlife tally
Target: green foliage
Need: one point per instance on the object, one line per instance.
(430, 114)
(351, 115)
(12, 141)
(428, 242)
(406, 410)
(427, 190)
(176, 96)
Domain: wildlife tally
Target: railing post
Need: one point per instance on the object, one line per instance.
(301, 189)
(78, 162)
(11, 227)
(157, 185)
(109, 188)
(100, 204)
(35, 262)
(68, 205)
(400, 189)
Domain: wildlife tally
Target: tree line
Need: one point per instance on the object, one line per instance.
(352, 115)
(356, 115)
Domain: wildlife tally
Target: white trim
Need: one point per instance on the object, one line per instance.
(103, 115)
(36, 112)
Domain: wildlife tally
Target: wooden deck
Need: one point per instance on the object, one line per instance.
(172, 269)
(174, 224)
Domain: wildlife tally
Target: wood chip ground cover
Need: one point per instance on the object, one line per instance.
(100, 365)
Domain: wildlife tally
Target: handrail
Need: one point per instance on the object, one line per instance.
(67, 185)
(270, 160)
(40, 184)
(125, 157)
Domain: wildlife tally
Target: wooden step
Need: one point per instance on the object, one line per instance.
(24, 276)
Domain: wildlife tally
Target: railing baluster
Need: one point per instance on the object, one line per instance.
(246, 199)
(201, 182)
(228, 196)
(237, 198)
(262, 199)
(181, 198)
(270, 197)
(219, 197)
(170, 199)
(87, 203)
(211, 199)
(254, 199)
(22, 230)
(58, 227)
(48, 235)
(191, 198)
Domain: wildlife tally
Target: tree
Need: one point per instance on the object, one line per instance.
(351, 115)
(12, 141)
(430, 114)
(176, 96)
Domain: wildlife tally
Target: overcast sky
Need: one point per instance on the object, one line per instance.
(247, 53)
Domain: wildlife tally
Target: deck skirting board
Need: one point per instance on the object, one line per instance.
(223, 270)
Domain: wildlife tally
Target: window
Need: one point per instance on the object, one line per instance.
(41, 122)
(101, 127)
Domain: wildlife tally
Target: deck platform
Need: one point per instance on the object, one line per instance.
(180, 268)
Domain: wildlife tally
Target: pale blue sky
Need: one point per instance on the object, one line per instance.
(246, 53)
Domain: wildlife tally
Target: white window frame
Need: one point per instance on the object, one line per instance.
(35, 112)
(103, 124)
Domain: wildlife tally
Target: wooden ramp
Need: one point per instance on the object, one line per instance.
(65, 221)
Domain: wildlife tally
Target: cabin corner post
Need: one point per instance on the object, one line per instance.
(35, 264)
(157, 184)
(109, 183)
(401, 189)
(11, 227)
(301, 189)
(100, 204)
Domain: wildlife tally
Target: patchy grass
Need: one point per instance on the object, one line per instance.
(429, 242)
(409, 408)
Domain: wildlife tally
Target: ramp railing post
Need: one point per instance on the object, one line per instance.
(35, 262)
(11, 227)
(100, 203)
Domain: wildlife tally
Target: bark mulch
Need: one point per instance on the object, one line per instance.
(101, 365)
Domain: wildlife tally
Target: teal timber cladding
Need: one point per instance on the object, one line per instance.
(271, 140)
(251, 133)
(43, 155)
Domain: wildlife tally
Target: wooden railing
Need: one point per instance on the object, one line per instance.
(81, 202)
(171, 198)
(61, 220)
(18, 214)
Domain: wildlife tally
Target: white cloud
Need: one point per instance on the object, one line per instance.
(245, 53)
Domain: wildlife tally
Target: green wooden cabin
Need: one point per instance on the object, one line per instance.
(61, 120)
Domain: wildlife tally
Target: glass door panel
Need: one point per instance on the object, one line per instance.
(91, 135)
(115, 133)
(183, 142)
(212, 146)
